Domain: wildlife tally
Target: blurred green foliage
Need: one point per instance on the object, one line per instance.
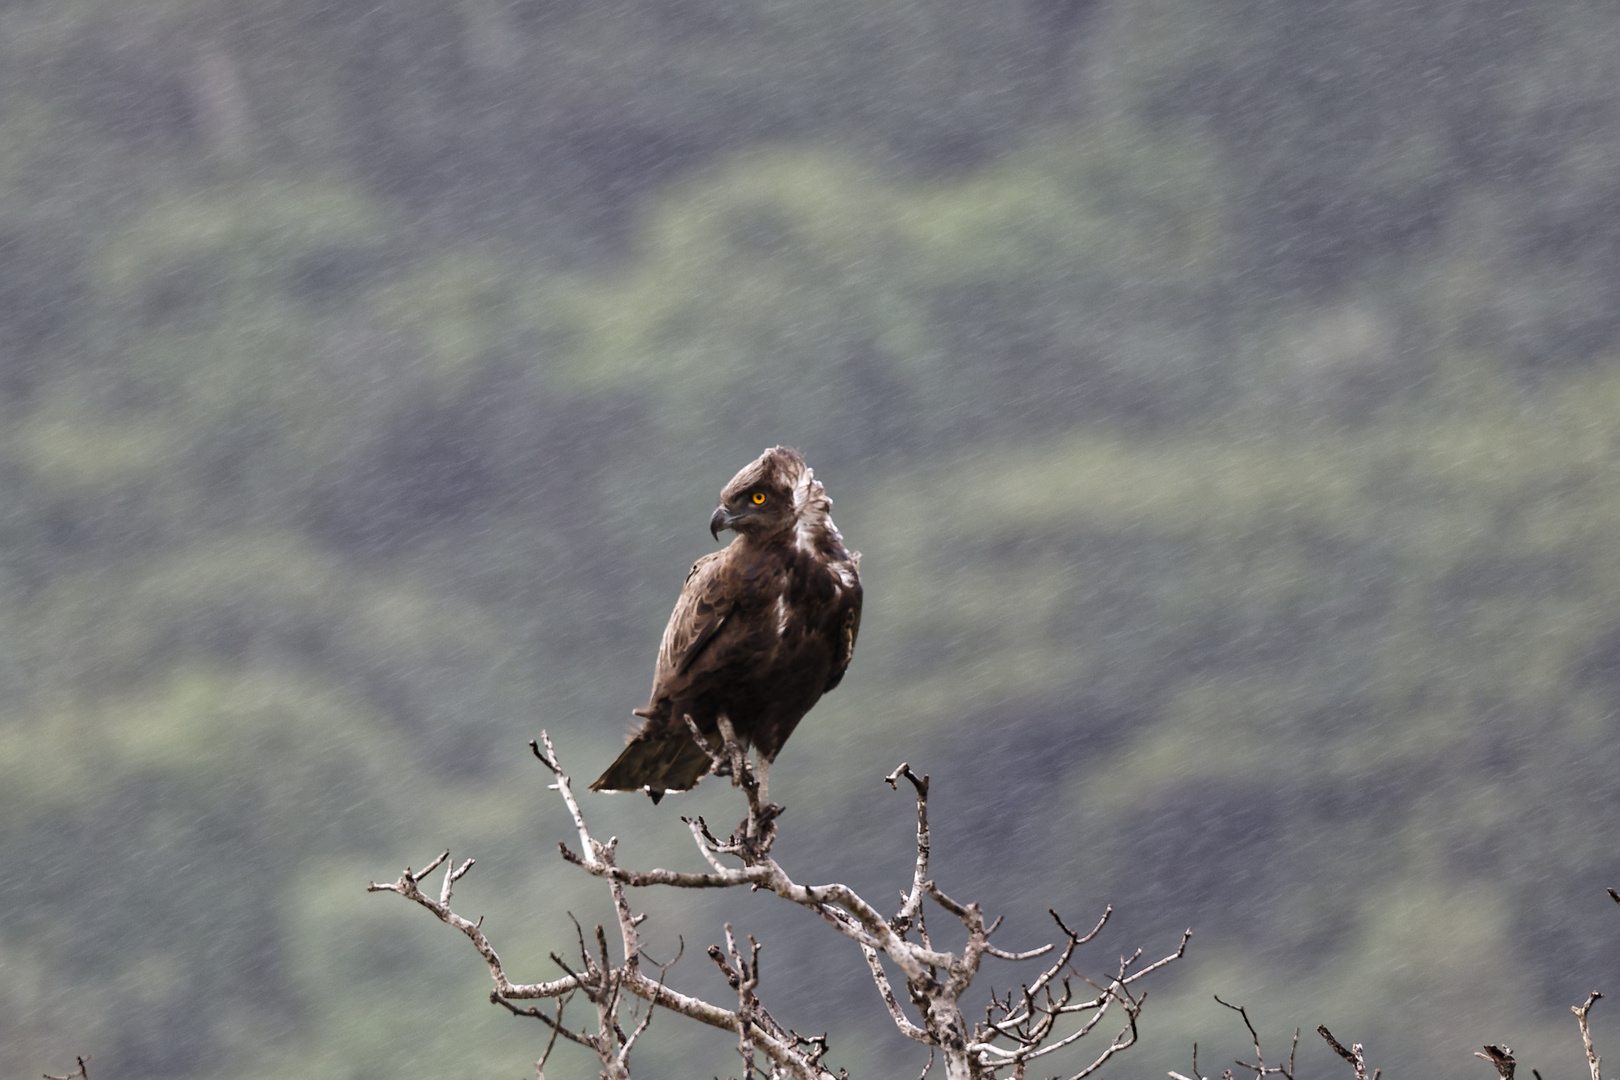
(1224, 396)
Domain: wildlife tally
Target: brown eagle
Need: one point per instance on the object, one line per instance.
(763, 628)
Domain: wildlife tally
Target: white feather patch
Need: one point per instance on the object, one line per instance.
(806, 510)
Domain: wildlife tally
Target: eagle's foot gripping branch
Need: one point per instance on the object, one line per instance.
(757, 832)
(1052, 1012)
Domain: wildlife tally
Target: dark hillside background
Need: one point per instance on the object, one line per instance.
(1225, 395)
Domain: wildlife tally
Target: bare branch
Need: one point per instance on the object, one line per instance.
(1030, 1023)
(1017, 1029)
(1196, 1075)
(1353, 1055)
(1030, 954)
(451, 876)
(81, 1073)
(549, 760)
(1074, 942)
(1125, 1039)
(912, 904)
(1095, 930)
(554, 1023)
(430, 867)
(901, 1021)
(724, 878)
(1501, 1057)
(1259, 1067)
(1592, 1060)
(706, 843)
(1181, 950)
(406, 886)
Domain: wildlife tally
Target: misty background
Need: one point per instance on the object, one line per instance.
(1225, 395)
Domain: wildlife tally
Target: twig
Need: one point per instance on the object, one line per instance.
(1196, 1075)
(81, 1073)
(1580, 1011)
(1353, 1055)
(556, 1025)
(1501, 1057)
(912, 903)
(1260, 1068)
(406, 886)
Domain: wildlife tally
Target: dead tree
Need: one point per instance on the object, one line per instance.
(1051, 1013)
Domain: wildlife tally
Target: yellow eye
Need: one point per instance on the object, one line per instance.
(759, 498)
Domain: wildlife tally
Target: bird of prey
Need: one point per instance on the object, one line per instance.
(762, 629)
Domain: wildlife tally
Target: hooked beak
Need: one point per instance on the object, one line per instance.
(721, 520)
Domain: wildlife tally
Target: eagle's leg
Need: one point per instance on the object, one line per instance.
(739, 758)
(762, 772)
(732, 749)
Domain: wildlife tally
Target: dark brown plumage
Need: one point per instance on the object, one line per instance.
(762, 629)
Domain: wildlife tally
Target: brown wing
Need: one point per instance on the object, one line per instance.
(701, 611)
(846, 639)
(662, 756)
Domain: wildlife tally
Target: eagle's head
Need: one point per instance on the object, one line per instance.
(768, 495)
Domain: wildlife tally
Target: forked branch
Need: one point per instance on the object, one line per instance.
(1258, 1066)
(1053, 1012)
(77, 1074)
(1593, 1062)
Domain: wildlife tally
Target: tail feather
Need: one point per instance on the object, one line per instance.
(656, 764)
